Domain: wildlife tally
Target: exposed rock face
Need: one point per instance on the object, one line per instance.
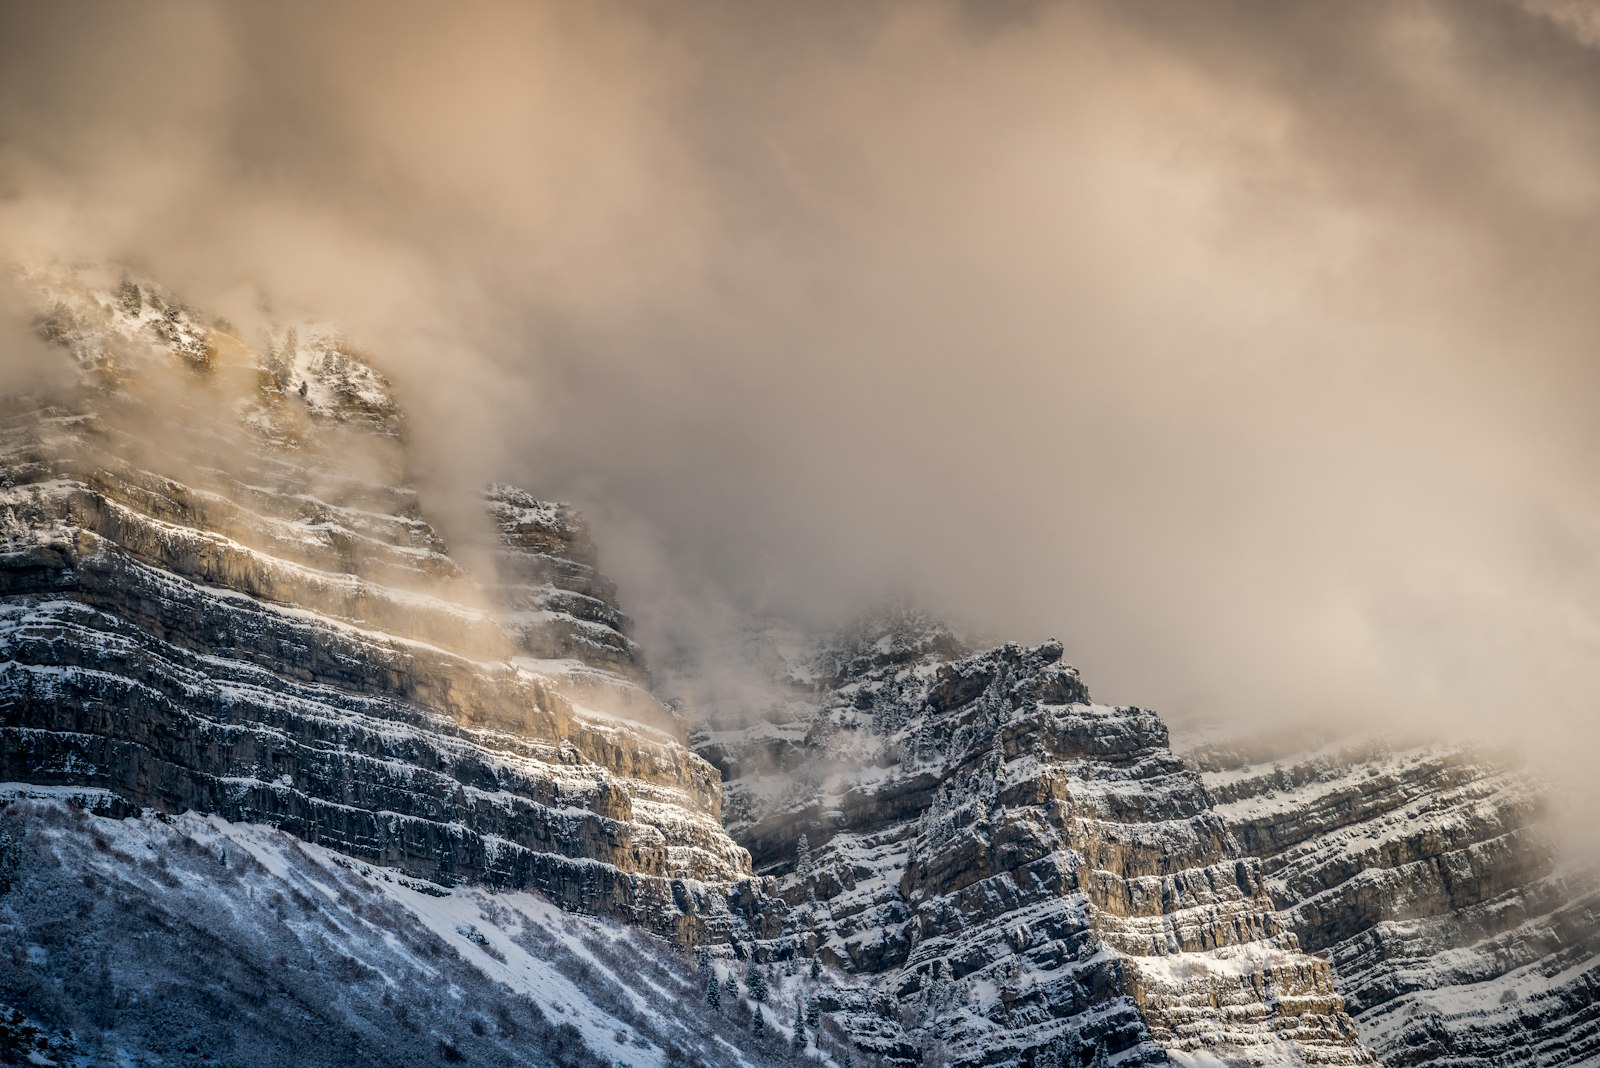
(561, 605)
(562, 611)
(1018, 875)
(1424, 872)
(218, 592)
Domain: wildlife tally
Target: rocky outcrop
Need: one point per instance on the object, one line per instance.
(219, 592)
(1016, 874)
(1424, 872)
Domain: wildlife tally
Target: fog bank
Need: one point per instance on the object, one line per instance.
(1249, 349)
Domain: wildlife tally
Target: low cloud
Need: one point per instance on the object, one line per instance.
(1249, 350)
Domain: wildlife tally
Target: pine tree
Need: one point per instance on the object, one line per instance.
(713, 991)
(803, 866)
(816, 968)
(799, 1027)
(757, 1024)
(8, 861)
(730, 989)
(1101, 1058)
(755, 981)
(704, 959)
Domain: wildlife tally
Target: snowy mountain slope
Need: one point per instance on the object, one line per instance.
(312, 959)
(1426, 873)
(1018, 874)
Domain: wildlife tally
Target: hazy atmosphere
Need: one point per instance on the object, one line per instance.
(1253, 356)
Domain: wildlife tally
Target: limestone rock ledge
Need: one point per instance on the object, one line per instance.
(219, 592)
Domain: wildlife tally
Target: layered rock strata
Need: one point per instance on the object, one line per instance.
(1427, 874)
(218, 591)
(1016, 874)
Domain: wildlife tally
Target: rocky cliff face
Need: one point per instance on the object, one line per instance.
(218, 591)
(221, 593)
(1015, 874)
(1426, 875)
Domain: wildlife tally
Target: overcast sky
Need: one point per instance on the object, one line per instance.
(1249, 348)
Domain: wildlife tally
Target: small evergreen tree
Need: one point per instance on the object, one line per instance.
(704, 959)
(816, 968)
(8, 861)
(803, 864)
(713, 991)
(757, 1024)
(1101, 1058)
(799, 1027)
(730, 989)
(755, 982)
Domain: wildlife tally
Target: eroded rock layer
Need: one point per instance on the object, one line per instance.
(1426, 874)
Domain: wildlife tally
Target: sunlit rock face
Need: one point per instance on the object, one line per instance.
(561, 611)
(1425, 873)
(1016, 874)
(219, 591)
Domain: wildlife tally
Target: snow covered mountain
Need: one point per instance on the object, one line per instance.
(219, 594)
(1017, 875)
(273, 753)
(941, 803)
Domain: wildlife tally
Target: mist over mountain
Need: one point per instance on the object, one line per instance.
(1240, 356)
(1259, 339)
